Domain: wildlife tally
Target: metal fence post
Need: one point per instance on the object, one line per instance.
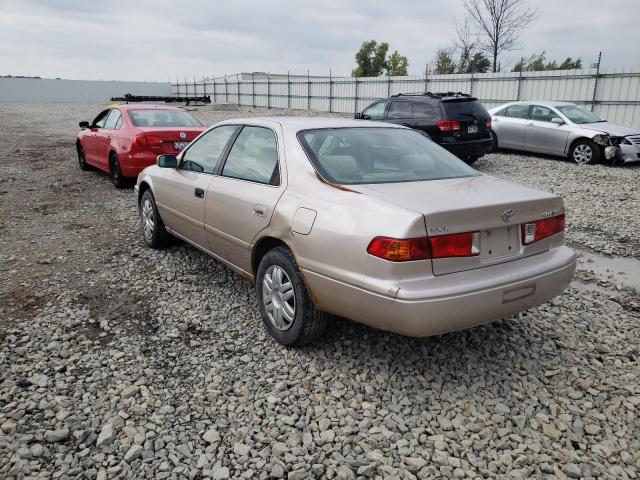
(288, 90)
(186, 87)
(253, 90)
(238, 90)
(308, 91)
(471, 85)
(268, 90)
(226, 89)
(330, 90)
(388, 86)
(204, 87)
(214, 89)
(195, 89)
(355, 98)
(519, 83)
(595, 84)
(426, 77)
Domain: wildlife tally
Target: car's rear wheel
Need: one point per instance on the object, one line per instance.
(153, 230)
(584, 152)
(82, 161)
(287, 310)
(471, 160)
(115, 172)
(494, 141)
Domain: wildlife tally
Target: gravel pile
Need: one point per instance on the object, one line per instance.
(117, 361)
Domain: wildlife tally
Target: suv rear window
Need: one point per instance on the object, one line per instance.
(465, 108)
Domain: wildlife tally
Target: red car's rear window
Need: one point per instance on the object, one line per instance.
(162, 118)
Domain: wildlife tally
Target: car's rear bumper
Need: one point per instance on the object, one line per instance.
(132, 165)
(454, 301)
(469, 148)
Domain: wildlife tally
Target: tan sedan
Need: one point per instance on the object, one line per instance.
(364, 220)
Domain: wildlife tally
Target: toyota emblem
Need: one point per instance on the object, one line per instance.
(507, 215)
(183, 135)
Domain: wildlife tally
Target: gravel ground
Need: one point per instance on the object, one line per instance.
(118, 361)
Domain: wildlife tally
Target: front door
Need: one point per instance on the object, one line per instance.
(241, 200)
(91, 141)
(183, 191)
(541, 135)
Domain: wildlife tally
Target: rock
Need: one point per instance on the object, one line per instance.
(414, 463)
(211, 436)
(345, 473)
(133, 453)
(8, 426)
(241, 449)
(220, 473)
(37, 450)
(277, 471)
(106, 436)
(572, 470)
(58, 435)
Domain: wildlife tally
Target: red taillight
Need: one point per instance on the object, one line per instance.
(400, 250)
(449, 125)
(455, 245)
(140, 140)
(153, 141)
(535, 231)
(423, 248)
(487, 123)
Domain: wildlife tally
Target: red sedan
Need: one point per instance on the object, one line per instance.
(124, 139)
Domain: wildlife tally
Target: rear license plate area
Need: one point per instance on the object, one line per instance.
(499, 242)
(473, 128)
(180, 145)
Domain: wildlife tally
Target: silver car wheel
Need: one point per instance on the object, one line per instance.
(582, 153)
(278, 297)
(147, 219)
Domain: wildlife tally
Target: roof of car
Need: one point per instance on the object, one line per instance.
(310, 123)
(544, 103)
(146, 106)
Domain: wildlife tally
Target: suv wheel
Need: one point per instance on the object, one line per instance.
(287, 310)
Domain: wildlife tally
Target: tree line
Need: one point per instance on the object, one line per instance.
(490, 28)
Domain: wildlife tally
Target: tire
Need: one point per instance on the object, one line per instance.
(153, 231)
(471, 160)
(292, 321)
(584, 152)
(494, 141)
(115, 173)
(82, 162)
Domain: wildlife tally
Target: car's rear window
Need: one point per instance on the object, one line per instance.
(162, 118)
(358, 155)
(465, 107)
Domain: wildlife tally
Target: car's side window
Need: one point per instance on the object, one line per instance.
(112, 120)
(204, 154)
(542, 114)
(518, 111)
(375, 112)
(424, 110)
(100, 119)
(400, 110)
(254, 156)
(501, 113)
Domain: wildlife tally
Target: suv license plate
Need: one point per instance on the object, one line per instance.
(180, 145)
(472, 129)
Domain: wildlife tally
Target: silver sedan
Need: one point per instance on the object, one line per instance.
(368, 221)
(563, 129)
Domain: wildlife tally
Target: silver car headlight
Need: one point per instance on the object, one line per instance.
(601, 139)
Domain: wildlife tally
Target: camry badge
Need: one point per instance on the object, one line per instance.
(507, 215)
(183, 135)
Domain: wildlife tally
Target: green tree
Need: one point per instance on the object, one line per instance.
(397, 65)
(443, 62)
(371, 59)
(478, 64)
(538, 63)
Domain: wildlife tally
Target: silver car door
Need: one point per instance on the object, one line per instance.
(542, 135)
(243, 195)
(510, 128)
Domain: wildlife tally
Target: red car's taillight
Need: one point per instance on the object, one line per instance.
(487, 123)
(535, 231)
(139, 140)
(422, 248)
(448, 125)
(147, 140)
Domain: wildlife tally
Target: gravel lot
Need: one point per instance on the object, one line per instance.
(118, 361)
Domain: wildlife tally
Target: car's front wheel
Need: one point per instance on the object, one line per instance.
(585, 152)
(286, 307)
(153, 230)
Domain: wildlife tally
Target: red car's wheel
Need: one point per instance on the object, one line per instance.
(82, 162)
(115, 173)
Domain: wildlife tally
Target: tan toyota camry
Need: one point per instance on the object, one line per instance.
(364, 220)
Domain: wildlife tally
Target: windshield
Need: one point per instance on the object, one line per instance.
(162, 118)
(578, 115)
(360, 155)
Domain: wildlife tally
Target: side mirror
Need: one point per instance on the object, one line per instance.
(357, 116)
(84, 125)
(167, 161)
(557, 121)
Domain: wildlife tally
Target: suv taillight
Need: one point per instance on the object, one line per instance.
(448, 125)
(487, 123)
(422, 248)
(536, 231)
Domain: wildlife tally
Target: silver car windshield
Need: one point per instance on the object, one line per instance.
(578, 115)
(379, 155)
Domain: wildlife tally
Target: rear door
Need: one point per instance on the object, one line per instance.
(400, 112)
(511, 127)
(543, 136)
(182, 193)
(242, 198)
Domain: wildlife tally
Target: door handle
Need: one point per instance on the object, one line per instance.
(260, 210)
(199, 193)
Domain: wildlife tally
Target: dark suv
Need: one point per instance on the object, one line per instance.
(455, 121)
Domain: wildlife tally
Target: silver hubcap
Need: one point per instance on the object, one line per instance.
(147, 219)
(278, 297)
(582, 153)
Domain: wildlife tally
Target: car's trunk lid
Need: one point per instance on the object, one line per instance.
(471, 114)
(493, 207)
(170, 139)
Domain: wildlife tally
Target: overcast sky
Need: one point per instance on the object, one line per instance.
(149, 40)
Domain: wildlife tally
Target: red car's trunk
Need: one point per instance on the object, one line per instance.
(170, 140)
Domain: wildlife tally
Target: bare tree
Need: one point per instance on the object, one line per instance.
(465, 44)
(500, 23)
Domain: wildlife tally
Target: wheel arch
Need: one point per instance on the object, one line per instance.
(261, 247)
(576, 140)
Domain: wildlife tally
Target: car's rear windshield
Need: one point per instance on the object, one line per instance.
(465, 108)
(162, 118)
(360, 155)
